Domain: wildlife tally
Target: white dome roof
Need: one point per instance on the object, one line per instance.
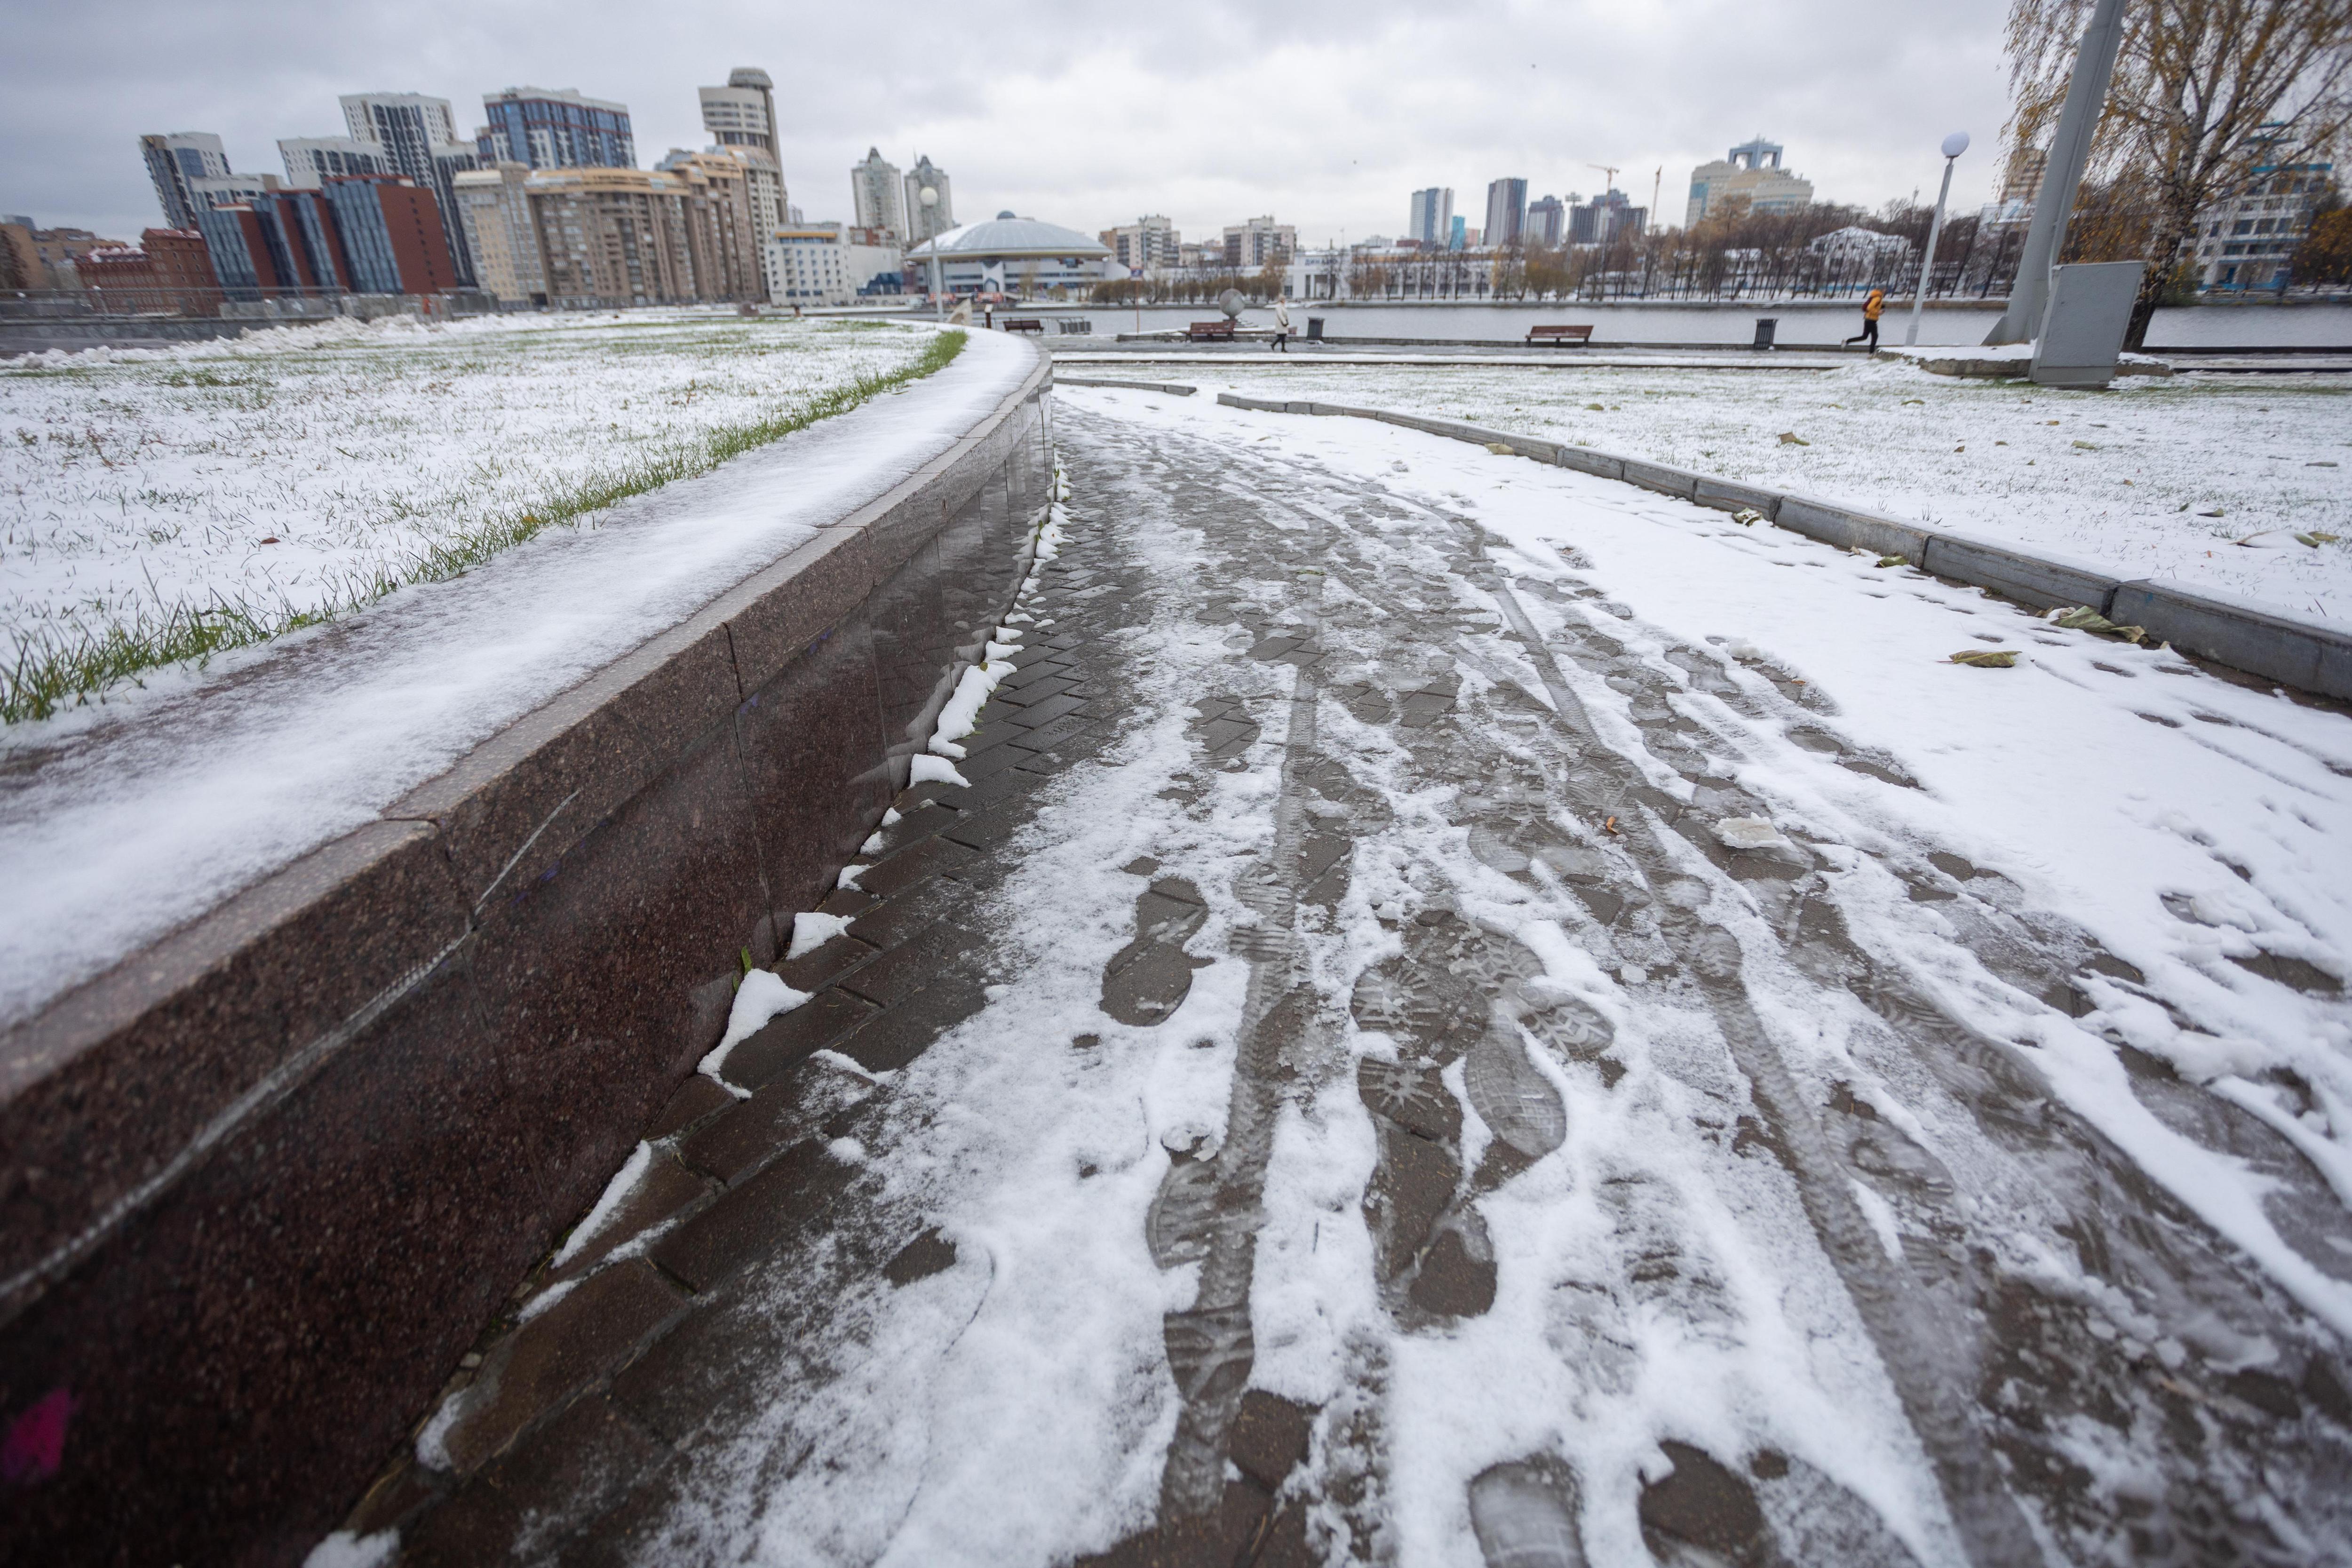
(1013, 236)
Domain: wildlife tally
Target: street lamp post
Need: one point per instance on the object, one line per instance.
(929, 197)
(1954, 145)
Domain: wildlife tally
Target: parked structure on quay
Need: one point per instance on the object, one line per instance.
(1013, 256)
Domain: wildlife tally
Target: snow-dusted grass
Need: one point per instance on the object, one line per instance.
(2155, 478)
(157, 506)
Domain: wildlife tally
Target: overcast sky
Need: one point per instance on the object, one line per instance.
(1325, 112)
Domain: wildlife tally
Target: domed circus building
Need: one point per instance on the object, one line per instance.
(1011, 255)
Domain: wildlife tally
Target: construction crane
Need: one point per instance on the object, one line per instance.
(1608, 171)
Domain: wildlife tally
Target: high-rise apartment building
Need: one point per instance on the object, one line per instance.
(403, 128)
(558, 128)
(1260, 242)
(416, 136)
(743, 112)
(1150, 243)
(1605, 218)
(494, 211)
(741, 118)
(1506, 211)
(392, 235)
(924, 222)
(1546, 222)
(626, 236)
(2020, 183)
(176, 158)
(311, 161)
(1751, 170)
(721, 181)
(1431, 222)
(2248, 238)
(876, 196)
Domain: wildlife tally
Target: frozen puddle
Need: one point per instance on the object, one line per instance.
(1473, 1015)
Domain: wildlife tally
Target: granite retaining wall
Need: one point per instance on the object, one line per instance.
(263, 1182)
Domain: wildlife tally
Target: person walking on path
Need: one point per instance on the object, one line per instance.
(1871, 309)
(1281, 326)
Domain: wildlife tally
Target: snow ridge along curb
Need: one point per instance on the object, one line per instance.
(260, 1182)
(2260, 639)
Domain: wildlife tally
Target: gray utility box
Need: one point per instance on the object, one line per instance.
(2083, 330)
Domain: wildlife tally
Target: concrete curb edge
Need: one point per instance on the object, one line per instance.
(2258, 639)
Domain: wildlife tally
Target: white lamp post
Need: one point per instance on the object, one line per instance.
(930, 200)
(1954, 145)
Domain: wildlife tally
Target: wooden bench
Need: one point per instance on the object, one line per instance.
(1558, 335)
(1025, 324)
(1200, 330)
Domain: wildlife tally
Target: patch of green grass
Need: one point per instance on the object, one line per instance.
(53, 669)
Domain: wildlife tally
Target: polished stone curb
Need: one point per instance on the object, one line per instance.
(258, 1181)
(2259, 640)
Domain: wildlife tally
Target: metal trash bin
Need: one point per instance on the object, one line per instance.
(1764, 327)
(1314, 329)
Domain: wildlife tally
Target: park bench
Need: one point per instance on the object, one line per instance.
(1200, 330)
(1025, 324)
(1558, 335)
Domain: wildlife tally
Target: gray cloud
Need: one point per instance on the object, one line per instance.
(1325, 112)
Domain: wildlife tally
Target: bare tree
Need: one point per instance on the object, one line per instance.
(2325, 256)
(2205, 92)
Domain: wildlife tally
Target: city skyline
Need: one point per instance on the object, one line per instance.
(1331, 131)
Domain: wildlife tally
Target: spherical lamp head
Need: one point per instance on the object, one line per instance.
(1956, 143)
(931, 197)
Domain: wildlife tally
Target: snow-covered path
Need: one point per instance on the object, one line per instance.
(2153, 479)
(1463, 1014)
(120, 821)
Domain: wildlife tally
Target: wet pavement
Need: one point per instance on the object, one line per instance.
(1322, 1089)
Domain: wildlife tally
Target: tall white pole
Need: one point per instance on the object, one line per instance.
(1954, 145)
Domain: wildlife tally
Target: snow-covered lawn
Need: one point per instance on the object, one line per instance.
(2155, 478)
(125, 818)
(170, 501)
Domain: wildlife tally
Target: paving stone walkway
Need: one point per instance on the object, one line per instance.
(1321, 1090)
